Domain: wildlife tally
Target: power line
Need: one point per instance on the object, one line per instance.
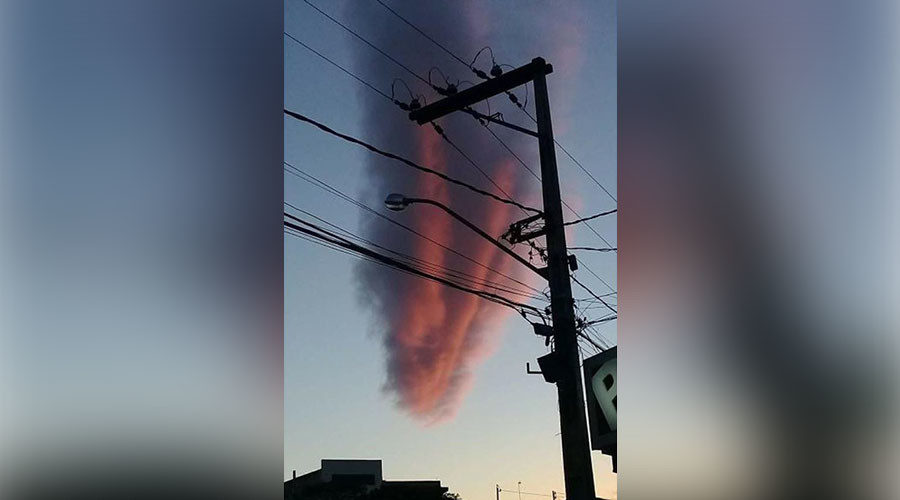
(522, 162)
(338, 66)
(332, 240)
(591, 341)
(440, 131)
(483, 75)
(453, 273)
(536, 177)
(413, 26)
(583, 326)
(469, 159)
(336, 192)
(566, 151)
(370, 44)
(298, 232)
(329, 237)
(508, 149)
(406, 161)
(605, 319)
(581, 264)
(596, 249)
(588, 269)
(524, 493)
(585, 219)
(436, 127)
(593, 304)
(594, 330)
(588, 290)
(607, 344)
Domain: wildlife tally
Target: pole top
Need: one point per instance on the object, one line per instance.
(540, 61)
(505, 82)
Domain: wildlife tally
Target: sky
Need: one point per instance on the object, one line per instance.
(487, 422)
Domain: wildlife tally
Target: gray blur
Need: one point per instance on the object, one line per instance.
(757, 250)
(141, 334)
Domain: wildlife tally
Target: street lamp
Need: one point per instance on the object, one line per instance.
(398, 202)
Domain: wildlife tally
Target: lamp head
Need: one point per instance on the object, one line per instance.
(396, 202)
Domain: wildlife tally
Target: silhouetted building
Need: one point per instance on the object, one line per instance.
(357, 479)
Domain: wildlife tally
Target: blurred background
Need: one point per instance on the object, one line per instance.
(141, 335)
(757, 270)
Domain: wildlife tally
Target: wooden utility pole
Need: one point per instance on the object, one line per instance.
(579, 476)
(579, 473)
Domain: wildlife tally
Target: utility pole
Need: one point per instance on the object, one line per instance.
(579, 476)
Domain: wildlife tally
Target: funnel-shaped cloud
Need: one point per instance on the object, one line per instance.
(433, 336)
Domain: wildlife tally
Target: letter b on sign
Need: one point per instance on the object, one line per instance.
(602, 407)
(604, 385)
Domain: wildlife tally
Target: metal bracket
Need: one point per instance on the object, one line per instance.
(530, 371)
(506, 124)
(515, 235)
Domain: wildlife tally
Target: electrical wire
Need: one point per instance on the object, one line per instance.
(338, 66)
(588, 290)
(566, 151)
(326, 236)
(440, 131)
(437, 128)
(525, 493)
(591, 341)
(484, 76)
(436, 269)
(596, 249)
(406, 161)
(565, 204)
(475, 59)
(299, 233)
(413, 26)
(335, 192)
(588, 269)
(480, 74)
(585, 219)
(433, 267)
(370, 44)
(597, 333)
(611, 317)
(470, 66)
